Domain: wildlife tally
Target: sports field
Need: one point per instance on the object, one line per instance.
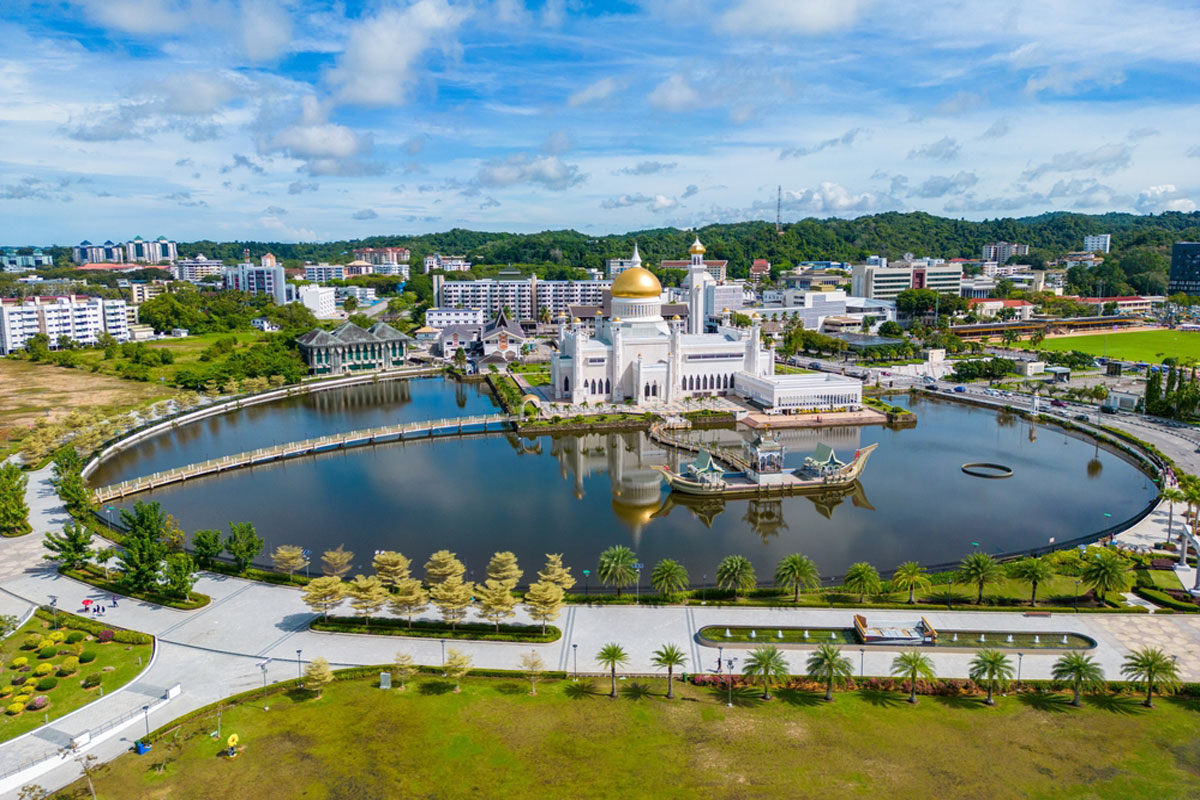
(1149, 346)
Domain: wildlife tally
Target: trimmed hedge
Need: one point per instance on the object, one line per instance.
(90, 626)
(87, 656)
(389, 626)
(47, 683)
(1161, 598)
(93, 577)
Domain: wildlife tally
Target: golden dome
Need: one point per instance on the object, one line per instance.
(696, 249)
(577, 320)
(636, 282)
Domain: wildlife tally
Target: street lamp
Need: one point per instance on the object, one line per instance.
(575, 653)
(637, 598)
(730, 663)
(1076, 597)
(720, 653)
(299, 673)
(1020, 658)
(146, 714)
(862, 662)
(443, 658)
(586, 588)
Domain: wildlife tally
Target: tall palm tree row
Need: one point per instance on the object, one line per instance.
(913, 665)
(993, 669)
(1172, 495)
(1153, 667)
(764, 665)
(1081, 671)
(736, 573)
(827, 664)
(795, 572)
(611, 656)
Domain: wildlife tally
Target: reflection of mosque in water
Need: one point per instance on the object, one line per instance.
(637, 497)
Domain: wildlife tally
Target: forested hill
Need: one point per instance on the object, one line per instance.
(891, 234)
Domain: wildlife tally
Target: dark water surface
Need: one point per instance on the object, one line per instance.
(578, 495)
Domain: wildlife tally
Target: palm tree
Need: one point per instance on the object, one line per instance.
(1151, 666)
(736, 573)
(980, 569)
(828, 664)
(1172, 495)
(610, 656)
(616, 567)
(796, 571)
(1033, 571)
(910, 575)
(862, 578)
(766, 664)
(1080, 670)
(914, 665)
(993, 669)
(1107, 572)
(669, 657)
(669, 577)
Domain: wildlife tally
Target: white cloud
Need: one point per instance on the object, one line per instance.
(942, 185)
(625, 200)
(845, 140)
(299, 187)
(691, 190)
(1163, 198)
(320, 140)
(943, 149)
(265, 30)
(663, 203)
(366, 213)
(140, 16)
(997, 129)
(780, 17)
(384, 52)
(550, 172)
(274, 211)
(1062, 79)
(647, 168)
(600, 90)
(194, 92)
(833, 198)
(674, 94)
(1106, 158)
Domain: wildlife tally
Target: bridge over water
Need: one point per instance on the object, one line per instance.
(453, 426)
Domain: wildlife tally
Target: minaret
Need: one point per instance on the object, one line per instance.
(697, 278)
(637, 257)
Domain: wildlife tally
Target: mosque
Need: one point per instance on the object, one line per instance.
(635, 354)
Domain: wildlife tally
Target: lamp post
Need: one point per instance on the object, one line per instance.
(146, 714)
(299, 672)
(1076, 597)
(720, 653)
(1020, 658)
(443, 658)
(730, 664)
(862, 662)
(575, 653)
(586, 588)
(637, 597)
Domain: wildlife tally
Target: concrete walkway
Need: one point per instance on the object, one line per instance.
(215, 651)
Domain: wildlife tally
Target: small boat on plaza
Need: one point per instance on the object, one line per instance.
(764, 473)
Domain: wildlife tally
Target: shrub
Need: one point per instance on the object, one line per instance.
(31, 642)
(21, 699)
(68, 666)
(91, 681)
(57, 636)
(49, 651)
(19, 662)
(75, 637)
(5, 691)
(87, 656)
(47, 683)
(14, 709)
(43, 669)
(37, 703)
(105, 636)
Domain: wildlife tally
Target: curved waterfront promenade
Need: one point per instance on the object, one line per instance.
(215, 651)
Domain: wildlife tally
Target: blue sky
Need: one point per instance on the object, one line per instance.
(317, 119)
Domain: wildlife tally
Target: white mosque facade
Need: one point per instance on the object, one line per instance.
(637, 355)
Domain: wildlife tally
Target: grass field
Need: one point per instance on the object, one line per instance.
(571, 740)
(1149, 346)
(117, 664)
(186, 350)
(29, 392)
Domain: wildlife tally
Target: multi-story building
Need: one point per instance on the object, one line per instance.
(991, 269)
(1185, 268)
(994, 307)
(357, 268)
(717, 268)
(446, 263)
(615, 266)
(10, 261)
(1002, 251)
(1100, 243)
(884, 283)
(361, 294)
(443, 317)
(141, 291)
(1125, 305)
(522, 296)
(108, 253)
(258, 279)
(197, 269)
(80, 319)
(323, 273)
(349, 348)
(140, 251)
(318, 299)
(393, 269)
(382, 255)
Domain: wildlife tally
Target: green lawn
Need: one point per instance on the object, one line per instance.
(1164, 579)
(186, 349)
(116, 663)
(787, 369)
(1149, 346)
(571, 740)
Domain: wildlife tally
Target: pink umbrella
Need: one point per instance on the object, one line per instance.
(87, 601)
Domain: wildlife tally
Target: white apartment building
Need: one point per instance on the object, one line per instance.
(382, 255)
(1100, 243)
(141, 292)
(363, 295)
(318, 299)
(446, 263)
(323, 273)
(522, 296)
(717, 268)
(393, 269)
(615, 266)
(140, 251)
(443, 317)
(884, 283)
(11, 262)
(108, 253)
(992, 269)
(256, 279)
(197, 269)
(1002, 251)
(80, 319)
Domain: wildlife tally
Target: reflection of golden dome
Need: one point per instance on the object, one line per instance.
(636, 517)
(636, 282)
(696, 249)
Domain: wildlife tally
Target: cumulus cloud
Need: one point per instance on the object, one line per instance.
(691, 190)
(647, 168)
(1107, 158)
(1062, 79)
(299, 187)
(185, 199)
(243, 162)
(36, 189)
(970, 203)
(262, 28)
(674, 94)
(833, 198)
(663, 203)
(780, 17)
(845, 140)
(625, 200)
(600, 90)
(195, 92)
(942, 185)
(326, 148)
(1000, 127)
(943, 149)
(489, 202)
(383, 52)
(274, 211)
(548, 171)
(366, 213)
(1193, 151)
(1164, 197)
(959, 102)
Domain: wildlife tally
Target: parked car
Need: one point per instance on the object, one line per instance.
(814, 365)
(1107, 410)
(1081, 417)
(1058, 404)
(960, 389)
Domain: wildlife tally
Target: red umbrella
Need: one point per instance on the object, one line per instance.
(87, 601)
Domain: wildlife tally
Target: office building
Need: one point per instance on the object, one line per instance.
(615, 266)
(717, 268)
(323, 273)
(197, 269)
(258, 279)
(393, 269)
(446, 263)
(1002, 251)
(884, 283)
(318, 299)
(523, 296)
(349, 348)
(140, 251)
(10, 261)
(108, 253)
(382, 255)
(1100, 243)
(361, 294)
(81, 319)
(444, 317)
(142, 291)
(1185, 268)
